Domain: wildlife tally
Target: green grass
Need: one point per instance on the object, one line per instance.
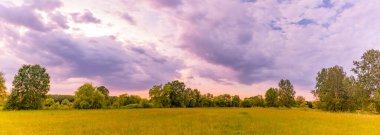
(187, 121)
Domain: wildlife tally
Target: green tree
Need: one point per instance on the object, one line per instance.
(3, 89)
(286, 93)
(206, 100)
(104, 91)
(160, 96)
(173, 94)
(368, 72)
(224, 100)
(30, 87)
(300, 101)
(247, 102)
(66, 104)
(87, 97)
(257, 101)
(236, 101)
(331, 91)
(125, 99)
(271, 97)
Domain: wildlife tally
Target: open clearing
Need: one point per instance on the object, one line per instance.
(187, 121)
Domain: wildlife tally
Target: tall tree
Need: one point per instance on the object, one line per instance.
(368, 73)
(30, 87)
(286, 93)
(271, 97)
(331, 91)
(3, 89)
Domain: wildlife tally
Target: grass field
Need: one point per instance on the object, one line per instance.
(187, 121)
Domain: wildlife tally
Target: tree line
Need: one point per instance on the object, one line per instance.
(32, 83)
(334, 91)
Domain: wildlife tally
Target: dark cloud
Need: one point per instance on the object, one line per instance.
(85, 17)
(101, 59)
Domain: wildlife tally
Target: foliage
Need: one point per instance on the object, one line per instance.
(30, 87)
(125, 99)
(206, 100)
(174, 94)
(301, 102)
(3, 89)
(87, 97)
(332, 90)
(60, 98)
(104, 91)
(271, 97)
(286, 93)
(368, 74)
(236, 101)
(224, 100)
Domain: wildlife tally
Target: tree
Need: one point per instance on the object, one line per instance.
(30, 87)
(331, 90)
(3, 89)
(300, 101)
(49, 103)
(368, 73)
(174, 94)
(104, 91)
(160, 96)
(224, 100)
(271, 97)
(125, 99)
(66, 104)
(257, 101)
(247, 102)
(87, 97)
(236, 101)
(286, 93)
(206, 100)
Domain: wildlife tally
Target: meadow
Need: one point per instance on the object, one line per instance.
(185, 121)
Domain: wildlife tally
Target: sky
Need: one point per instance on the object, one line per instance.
(238, 47)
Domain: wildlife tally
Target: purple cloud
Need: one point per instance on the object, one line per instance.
(166, 3)
(86, 17)
(23, 16)
(129, 18)
(101, 59)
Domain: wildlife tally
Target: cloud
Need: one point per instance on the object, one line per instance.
(23, 16)
(102, 59)
(44, 4)
(85, 17)
(29, 15)
(129, 18)
(166, 3)
(268, 40)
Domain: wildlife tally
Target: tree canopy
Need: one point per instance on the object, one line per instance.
(286, 93)
(30, 86)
